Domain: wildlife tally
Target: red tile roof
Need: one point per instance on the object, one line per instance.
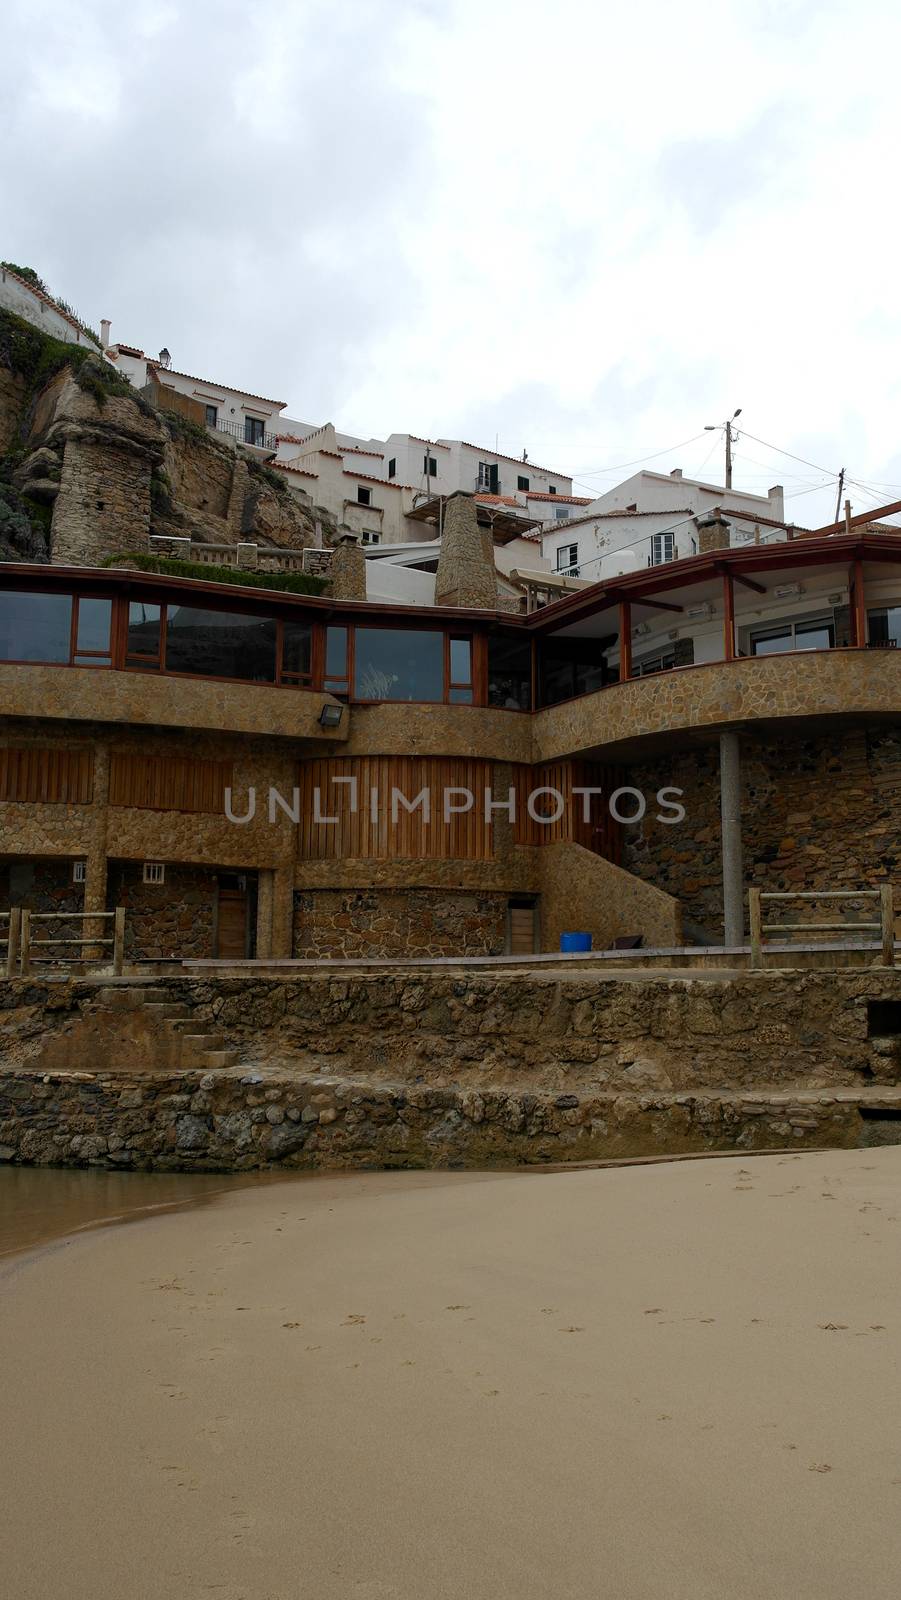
(286, 466)
(496, 499)
(213, 385)
(383, 483)
(562, 499)
(483, 450)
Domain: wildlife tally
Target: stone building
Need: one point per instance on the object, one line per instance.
(254, 773)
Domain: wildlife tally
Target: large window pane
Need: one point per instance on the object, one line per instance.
(399, 664)
(143, 629)
(336, 652)
(510, 673)
(570, 667)
(772, 644)
(94, 617)
(35, 627)
(220, 644)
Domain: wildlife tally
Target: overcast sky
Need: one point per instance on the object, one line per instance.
(581, 230)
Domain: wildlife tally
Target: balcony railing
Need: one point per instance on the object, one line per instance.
(236, 430)
(246, 557)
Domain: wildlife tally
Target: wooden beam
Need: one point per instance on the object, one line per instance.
(728, 618)
(639, 600)
(625, 641)
(748, 583)
(858, 604)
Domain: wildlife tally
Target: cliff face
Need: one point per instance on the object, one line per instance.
(89, 468)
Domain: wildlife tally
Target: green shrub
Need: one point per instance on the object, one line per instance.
(170, 566)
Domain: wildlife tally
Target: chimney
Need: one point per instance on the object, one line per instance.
(348, 569)
(713, 531)
(466, 571)
(676, 472)
(105, 326)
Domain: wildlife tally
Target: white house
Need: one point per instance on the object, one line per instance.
(652, 518)
(248, 419)
(442, 466)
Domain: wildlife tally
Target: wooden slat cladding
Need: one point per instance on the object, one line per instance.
(599, 833)
(46, 776)
(168, 783)
(363, 836)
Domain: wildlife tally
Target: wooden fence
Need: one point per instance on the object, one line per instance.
(884, 926)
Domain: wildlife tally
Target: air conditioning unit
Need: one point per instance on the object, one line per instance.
(154, 872)
(788, 591)
(705, 610)
(79, 871)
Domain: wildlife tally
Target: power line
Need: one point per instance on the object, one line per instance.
(599, 472)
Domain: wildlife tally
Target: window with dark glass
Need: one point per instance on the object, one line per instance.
(297, 652)
(430, 465)
(253, 430)
(212, 416)
(398, 664)
(35, 627)
(816, 633)
(220, 644)
(885, 627)
(459, 671)
(142, 640)
(521, 482)
(364, 496)
(392, 466)
(92, 632)
(571, 667)
(336, 661)
(509, 673)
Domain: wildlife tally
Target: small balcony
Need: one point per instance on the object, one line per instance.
(262, 444)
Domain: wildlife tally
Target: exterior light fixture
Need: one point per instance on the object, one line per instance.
(330, 716)
(788, 591)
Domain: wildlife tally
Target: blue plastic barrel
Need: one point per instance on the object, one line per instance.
(575, 941)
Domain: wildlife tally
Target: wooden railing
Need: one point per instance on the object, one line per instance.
(10, 929)
(884, 926)
(86, 943)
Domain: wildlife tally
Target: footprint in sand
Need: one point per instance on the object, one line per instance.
(819, 1466)
(292, 1324)
(833, 1327)
(652, 1311)
(456, 1308)
(570, 1330)
(353, 1319)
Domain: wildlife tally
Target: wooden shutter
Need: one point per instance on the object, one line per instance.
(46, 776)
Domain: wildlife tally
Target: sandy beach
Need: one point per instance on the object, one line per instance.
(676, 1381)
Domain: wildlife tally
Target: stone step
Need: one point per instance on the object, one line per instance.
(215, 1059)
(195, 1043)
(124, 999)
(168, 1011)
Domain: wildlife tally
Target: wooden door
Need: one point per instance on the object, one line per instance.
(231, 921)
(522, 928)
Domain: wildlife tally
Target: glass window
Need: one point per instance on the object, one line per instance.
(521, 482)
(35, 627)
(570, 667)
(143, 631)
(885, 627)
(568, 559)
(814, 636)
(461, 661)
(220, 644)
(253, 430)
(772, 643)
(399, 664)
(336, 653)
(459, 697)
(509, 673)
(297, 650)
(94, 618)
(212, 416)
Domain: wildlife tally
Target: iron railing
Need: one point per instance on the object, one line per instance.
(237, 430)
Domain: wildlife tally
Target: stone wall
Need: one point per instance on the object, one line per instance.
(438, 1070)
(398, 922)
(818, 812)
(581, 892)
(175, 918)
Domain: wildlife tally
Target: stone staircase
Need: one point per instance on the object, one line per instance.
(195, 1051)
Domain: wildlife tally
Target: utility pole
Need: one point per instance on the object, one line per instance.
(711, 428)
(838, 498)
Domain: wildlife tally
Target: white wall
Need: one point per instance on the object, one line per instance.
(658, 491)
(33, 307)
(611, 545)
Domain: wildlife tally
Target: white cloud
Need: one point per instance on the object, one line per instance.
(586, 230)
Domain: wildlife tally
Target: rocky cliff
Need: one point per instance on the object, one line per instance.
(90, 468)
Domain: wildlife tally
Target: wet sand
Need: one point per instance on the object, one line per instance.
(677, 1382)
